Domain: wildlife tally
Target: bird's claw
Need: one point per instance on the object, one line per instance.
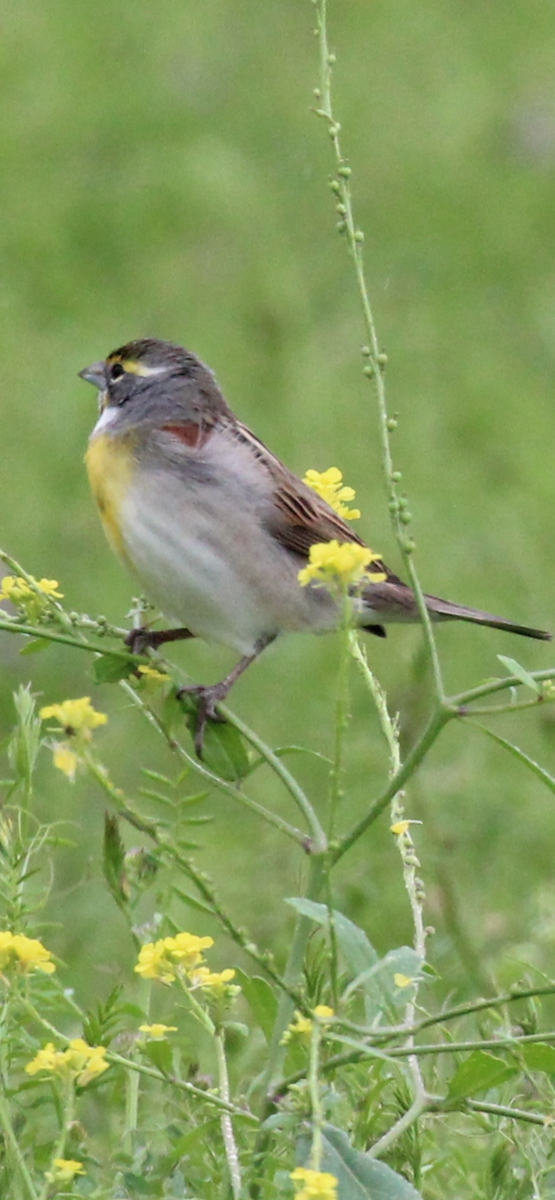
(207, 699)
(140, 639)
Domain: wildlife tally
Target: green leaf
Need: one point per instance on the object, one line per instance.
(109, 668)
(479, 1073)
(360, 1177)
(113, 860)
(514, 668)
(223, 750)
(525, 759)
(379, 982)
(539, 1056)
(373, 975)
(35, 646)
(261, 999)
(160, 1055)
(192, 901)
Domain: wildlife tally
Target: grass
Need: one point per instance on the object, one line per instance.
(163, 174)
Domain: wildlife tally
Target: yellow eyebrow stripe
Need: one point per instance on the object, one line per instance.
(136, 368)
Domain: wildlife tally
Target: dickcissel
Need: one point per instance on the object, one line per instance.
(214, 527)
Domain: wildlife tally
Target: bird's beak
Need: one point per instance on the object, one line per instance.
(96, 374)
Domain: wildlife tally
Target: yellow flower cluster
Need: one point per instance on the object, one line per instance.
(75, 716)
(339, 563)
(172, 956)
(32, 600)
(76, 719)
(301, 1026)
(157, 1033)
(80, 1062)
(64, 1170)
(181, 957)
(26, 954)
(314, 1185)
(329, 485)
(215, 982)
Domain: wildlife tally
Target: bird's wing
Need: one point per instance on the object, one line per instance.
(299, 517)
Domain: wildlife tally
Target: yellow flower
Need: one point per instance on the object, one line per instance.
(217, 982)
(314, 1185)
(75, 716)
(157, 1032)
(80, 1062)
(323, 1013)
(186, 948)
(339, 562)
(65, 759)
(171, 956)
(77, 719)
(18, 590)
(300, 1027)
(399, 828)
(28, 954)
(402, 981)
(33, 600)
(149, 678)
(64, 1170)
(329, 485)
(153, 962)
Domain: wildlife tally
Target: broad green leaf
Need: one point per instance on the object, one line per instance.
(109, 668)
(478, 1073)
(389, 978)
(261, 999)
(360, 1177)
(223, 750)
(159, 1054)
(35, 646)
(539, 1056)
(514, 668)
(373, 975)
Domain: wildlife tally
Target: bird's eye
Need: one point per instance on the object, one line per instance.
(116, 371)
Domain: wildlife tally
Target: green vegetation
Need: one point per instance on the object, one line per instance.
(163, 174)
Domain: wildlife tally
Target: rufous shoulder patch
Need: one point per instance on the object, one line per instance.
(190, 433)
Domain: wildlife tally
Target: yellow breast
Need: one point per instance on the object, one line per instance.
(110, 464)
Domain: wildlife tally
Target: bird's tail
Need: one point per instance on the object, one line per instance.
(444, 609)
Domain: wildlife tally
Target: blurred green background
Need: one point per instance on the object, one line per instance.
(162, 174)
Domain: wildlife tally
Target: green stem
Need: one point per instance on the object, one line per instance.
(505, 1110)
(376, 361)
(13, 1147)
(292, 976)
(341, 717)
(48, 635)
(463, 699)
(318, 837)
(208, 776)
(182, 1085)
(68, 1113)
(230, 1145)
(317, 1111)
(419, 751)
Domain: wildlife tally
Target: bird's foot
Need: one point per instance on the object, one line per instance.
(206, 699)
(141, 639)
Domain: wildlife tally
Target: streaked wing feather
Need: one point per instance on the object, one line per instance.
(300, 518)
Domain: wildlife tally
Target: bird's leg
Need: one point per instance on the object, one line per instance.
(208, 696)
(140, 639)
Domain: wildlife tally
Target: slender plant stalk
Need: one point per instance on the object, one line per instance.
(230, 1145)
(375, 359)
(67, 1117)
(413, 887)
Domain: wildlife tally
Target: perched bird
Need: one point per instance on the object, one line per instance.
(213, 525)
